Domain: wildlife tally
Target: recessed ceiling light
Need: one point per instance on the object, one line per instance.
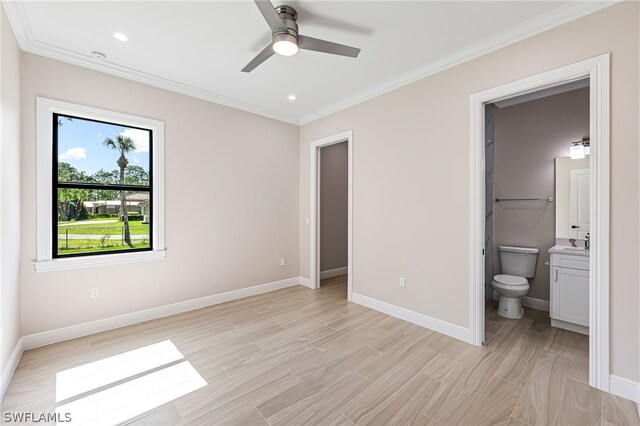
(120, 36)
(291, 97)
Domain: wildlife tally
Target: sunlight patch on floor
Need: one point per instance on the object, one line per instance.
(130, 399)
(88, 377)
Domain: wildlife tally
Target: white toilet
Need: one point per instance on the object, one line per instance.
(517, 264)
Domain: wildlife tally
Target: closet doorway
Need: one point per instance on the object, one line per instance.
(330, 257)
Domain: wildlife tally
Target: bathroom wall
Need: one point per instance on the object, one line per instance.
(528, 137)
(334, 188)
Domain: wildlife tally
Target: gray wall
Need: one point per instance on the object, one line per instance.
(9, 192)
(528, 137)
(333, 206)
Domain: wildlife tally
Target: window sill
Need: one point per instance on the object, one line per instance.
(101, 260)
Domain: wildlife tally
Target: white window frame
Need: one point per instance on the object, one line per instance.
(44, 160)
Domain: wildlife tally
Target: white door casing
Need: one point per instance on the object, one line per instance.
(597, 70)
(314, 210)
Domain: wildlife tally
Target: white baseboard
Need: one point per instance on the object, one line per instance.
(576, 328)
(529, 302)
(74, 331)
(333, 272)
(451, 330)
(10, 367)
(539, 304)
(306, 282)
(624, 388)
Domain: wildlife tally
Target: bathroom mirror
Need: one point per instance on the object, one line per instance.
(573, 178)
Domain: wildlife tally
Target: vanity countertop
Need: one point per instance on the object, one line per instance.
(575, 251)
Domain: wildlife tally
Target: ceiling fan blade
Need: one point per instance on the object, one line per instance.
(266, 53)
(310, 43)
(271, 16)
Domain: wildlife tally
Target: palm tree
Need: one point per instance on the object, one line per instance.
(123, 144)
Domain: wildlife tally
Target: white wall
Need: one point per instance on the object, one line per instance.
(334, 191)
(10, 212)
(411, 183)
(231, 181)
(528, 137)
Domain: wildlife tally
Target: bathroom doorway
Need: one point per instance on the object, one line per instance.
(537, 198)
(593, 72)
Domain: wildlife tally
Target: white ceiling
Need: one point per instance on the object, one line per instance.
(199, 48)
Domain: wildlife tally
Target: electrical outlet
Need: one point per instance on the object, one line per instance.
(95, 292)
(402, 282)
(307, 221)
(282, 262)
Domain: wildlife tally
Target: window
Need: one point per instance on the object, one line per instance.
(99, 186)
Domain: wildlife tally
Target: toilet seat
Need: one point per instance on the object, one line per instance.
(510, 280)
(512, 289)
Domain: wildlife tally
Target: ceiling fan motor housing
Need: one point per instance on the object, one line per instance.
(288, 16)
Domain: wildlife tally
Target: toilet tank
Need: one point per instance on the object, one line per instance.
(518, 261)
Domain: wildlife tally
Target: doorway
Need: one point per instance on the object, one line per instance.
(343, 143)
(596, 70)
(333, 171)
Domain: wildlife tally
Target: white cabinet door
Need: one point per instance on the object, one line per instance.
(573, 300)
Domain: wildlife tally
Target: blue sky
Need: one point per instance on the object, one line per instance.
(80, 144)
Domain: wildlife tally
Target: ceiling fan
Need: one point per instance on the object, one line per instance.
(285, 38)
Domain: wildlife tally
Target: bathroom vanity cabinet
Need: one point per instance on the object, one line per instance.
(570, 289)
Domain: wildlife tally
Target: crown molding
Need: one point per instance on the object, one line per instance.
(22, 28)
(19, 21)
(568, 13)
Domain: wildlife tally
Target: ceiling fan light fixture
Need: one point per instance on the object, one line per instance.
(285, 44)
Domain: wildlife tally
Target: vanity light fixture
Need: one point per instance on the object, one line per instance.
(580, 149)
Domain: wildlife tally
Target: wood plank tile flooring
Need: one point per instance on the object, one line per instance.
(303, 357)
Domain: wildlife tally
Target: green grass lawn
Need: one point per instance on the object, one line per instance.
(112, 228)
(100, 236)
(91, 246)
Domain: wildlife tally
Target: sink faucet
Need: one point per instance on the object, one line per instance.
(587, 242)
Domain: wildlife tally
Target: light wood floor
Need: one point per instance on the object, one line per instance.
(300, 357)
